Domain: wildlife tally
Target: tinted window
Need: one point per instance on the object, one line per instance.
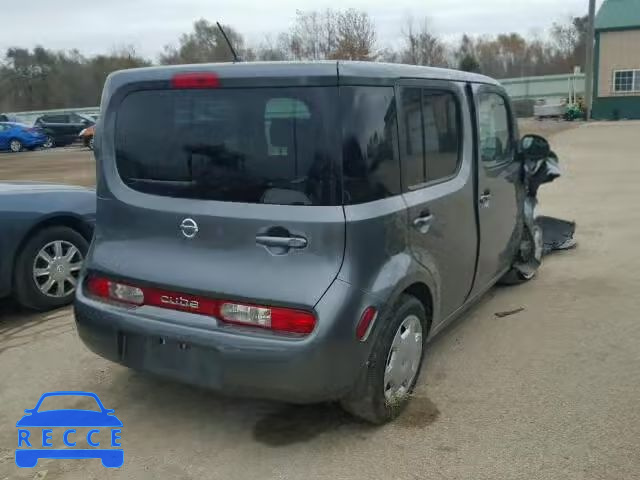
(494, 129)
(441, 134)
(411, 138)
(55, 119)
(371, 169)
(265, 145)
(430, 137)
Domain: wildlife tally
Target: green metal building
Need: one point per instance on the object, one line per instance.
(616, 89)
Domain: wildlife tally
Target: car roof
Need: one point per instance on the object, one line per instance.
(303, 73)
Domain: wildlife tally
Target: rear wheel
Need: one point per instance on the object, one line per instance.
(90, 145)
(48, 267)
(49, 142)
(15, 145)
(386, 383)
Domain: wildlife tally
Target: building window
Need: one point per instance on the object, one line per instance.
(626, 81)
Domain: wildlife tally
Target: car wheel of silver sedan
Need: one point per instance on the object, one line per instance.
(56, 268)
(48, 268)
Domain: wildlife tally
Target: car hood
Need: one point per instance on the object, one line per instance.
(69, 418)
(33, 187)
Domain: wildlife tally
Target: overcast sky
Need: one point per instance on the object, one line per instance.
(99, 26)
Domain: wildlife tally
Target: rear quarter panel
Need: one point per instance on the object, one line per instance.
(378, 258)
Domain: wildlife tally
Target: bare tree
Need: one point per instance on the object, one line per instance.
(356, 36)
(314, 35)
(422, 47)
(275, 49)
(204, 44)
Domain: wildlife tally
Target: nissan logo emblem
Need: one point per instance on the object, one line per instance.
(189, 228)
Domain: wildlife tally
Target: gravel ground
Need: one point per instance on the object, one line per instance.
(551, 392)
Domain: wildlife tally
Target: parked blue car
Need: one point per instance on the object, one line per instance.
(32, 446)
(16, 137)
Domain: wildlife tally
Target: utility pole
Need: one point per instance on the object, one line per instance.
(588, 94)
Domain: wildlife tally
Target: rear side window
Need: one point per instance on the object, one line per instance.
(263, 145)
(430, 136)
(55, 119)
(371, 168)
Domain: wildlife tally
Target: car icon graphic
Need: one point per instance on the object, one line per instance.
(69, 418)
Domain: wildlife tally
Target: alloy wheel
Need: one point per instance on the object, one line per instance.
(56, 268)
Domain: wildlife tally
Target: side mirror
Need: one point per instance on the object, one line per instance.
(534, 146)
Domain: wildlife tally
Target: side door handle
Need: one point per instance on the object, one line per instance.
(423, 223)
(281, 242)
(485, 199)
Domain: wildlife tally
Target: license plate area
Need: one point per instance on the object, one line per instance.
(169, 355)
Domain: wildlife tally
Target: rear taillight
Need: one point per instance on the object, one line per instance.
(273, 318)
(119, 292)
(278, 319)
(195, 80)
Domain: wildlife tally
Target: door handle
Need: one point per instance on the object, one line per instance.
(485, 199)
(423, 223)
(281, 242)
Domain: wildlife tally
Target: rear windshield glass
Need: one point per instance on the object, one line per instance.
(266, 145)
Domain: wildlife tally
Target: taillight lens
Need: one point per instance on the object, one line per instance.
(272, 318)
(119, 292)
(195, 80)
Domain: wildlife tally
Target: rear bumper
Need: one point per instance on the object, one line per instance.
(194, 349)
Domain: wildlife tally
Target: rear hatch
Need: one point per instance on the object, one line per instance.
(226, 191)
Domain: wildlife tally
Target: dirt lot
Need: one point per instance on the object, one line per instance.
(74, 165)
(552, 392)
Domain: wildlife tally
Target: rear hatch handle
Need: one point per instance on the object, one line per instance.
(283, 242)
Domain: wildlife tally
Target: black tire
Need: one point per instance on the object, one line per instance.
(15, 145)
(90, 143)
(49, 142)
(367, 400)
(25, 288)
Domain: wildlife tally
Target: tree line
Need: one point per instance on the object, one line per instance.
(41, 78)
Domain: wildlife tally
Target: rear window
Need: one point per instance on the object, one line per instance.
(266, 145)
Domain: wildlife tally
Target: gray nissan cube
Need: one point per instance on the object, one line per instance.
(299, 231)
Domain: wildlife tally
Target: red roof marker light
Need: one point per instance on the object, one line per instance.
(195, 80)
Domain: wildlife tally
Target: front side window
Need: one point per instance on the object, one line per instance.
(626, 81)
(371, 167)
(430, 137)
(494, 130)
(262, 145)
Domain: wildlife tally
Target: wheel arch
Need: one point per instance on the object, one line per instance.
(422, 286)
(422, 292)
